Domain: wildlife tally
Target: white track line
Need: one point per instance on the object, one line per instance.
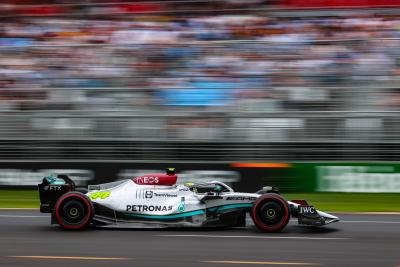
(370, 222)
(23, 216)
(365, 213)
(259, 237)
(341, 221)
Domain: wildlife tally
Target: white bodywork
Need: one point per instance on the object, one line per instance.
(165, 205)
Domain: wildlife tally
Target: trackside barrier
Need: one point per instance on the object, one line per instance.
(289, 177)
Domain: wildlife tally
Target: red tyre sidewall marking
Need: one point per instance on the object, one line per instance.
(86, 218)
(258, 220)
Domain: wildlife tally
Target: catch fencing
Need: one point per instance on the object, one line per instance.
(201, 137)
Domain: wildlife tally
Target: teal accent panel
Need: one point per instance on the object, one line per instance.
(232, 206)
(171, 216)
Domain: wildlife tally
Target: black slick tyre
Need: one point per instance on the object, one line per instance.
(270, 213)
(74, 211)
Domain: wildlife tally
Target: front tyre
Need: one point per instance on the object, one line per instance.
(74, 211)
(270, 213)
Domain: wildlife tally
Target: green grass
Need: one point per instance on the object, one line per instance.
(345, 202)
(19, 199)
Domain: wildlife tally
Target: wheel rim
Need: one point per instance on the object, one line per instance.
(271, 213)
(73, 212)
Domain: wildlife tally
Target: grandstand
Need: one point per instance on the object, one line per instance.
(198, 81)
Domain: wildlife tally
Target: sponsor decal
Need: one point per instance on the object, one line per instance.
(141, 208)
(181, 207)
(241, 198)
(307, 210)
(165, 195)
(308, 215)
(101, 195)
(140, 193)
(148, 194)
(147, 180)
(52, 188)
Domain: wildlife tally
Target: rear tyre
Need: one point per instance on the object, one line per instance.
(74, 211)
(270, 213)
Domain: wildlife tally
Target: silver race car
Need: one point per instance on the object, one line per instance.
(155, 200)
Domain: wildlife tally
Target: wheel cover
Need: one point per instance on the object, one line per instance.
(270, 213)
(74, 211)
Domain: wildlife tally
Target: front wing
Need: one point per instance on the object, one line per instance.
(308, 215)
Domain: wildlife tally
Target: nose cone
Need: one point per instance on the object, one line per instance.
(328, 218)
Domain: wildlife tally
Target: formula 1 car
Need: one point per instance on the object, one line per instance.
(155, 200)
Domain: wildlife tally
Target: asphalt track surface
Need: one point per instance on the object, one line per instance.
(27, 239)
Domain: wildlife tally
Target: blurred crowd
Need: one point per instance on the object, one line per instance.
(156, 61)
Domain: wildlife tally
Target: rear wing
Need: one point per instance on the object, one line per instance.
(51, 189)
